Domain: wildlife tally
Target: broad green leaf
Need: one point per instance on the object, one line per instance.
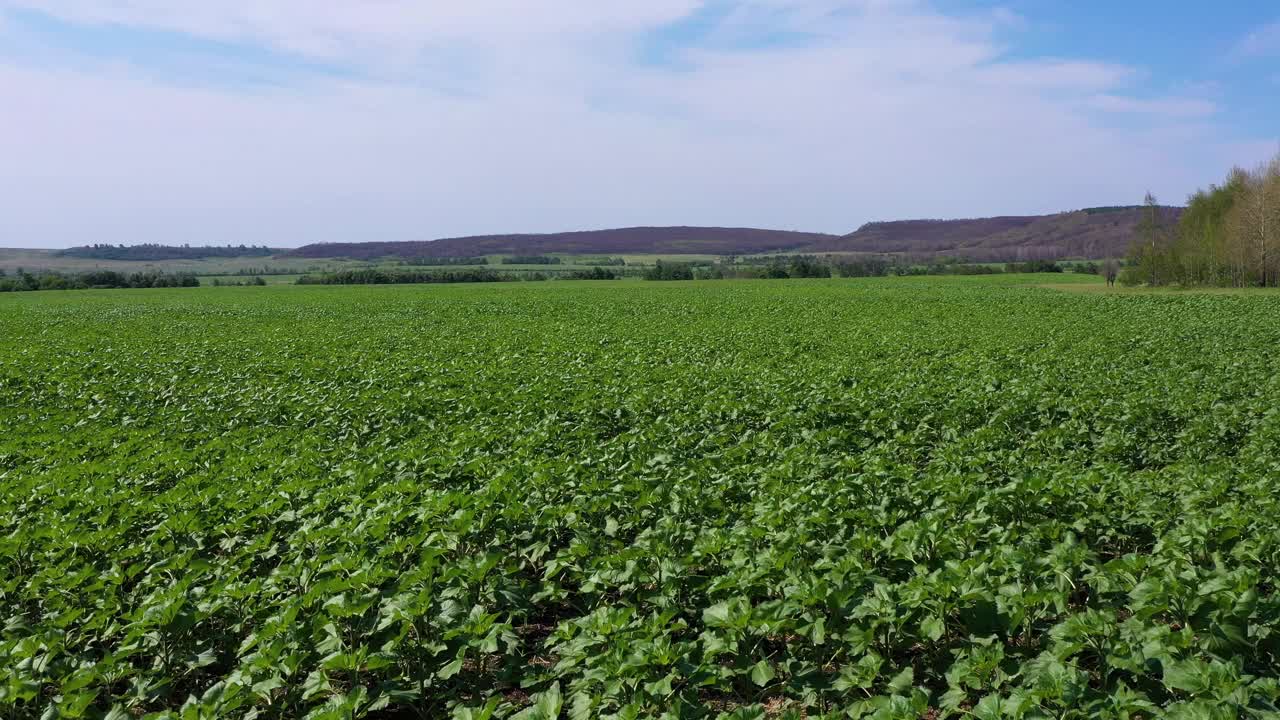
(762, 673)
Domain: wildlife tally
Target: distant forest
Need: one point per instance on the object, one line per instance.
(812, 266)
(1228, 236)
(151, 252)
(23, 281)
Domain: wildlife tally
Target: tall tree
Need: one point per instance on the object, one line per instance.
(1254, 223)
(1148, 251)
(1202, 250)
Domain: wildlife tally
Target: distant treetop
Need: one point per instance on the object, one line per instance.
(1109, 209)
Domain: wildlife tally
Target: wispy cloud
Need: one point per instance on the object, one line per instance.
(369, 32)
(1261, 42)
(409, 120)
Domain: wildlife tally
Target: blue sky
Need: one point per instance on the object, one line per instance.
(296, 121)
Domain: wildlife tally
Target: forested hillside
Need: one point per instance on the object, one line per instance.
(645, 240)
(1091, 233)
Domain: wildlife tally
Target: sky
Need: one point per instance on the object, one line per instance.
(287, 122)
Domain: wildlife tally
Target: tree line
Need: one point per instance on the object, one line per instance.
(531, 260)
(595, 273)
(153, 252)
(810, 266)
(254, 281)
(23, 281)
(1228, 236)
(447, 261)
(373, 276)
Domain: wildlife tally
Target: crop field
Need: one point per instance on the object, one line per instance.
(891, 498)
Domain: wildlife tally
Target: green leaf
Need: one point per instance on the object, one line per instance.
(660, 688)
(451, 669)
(316, 684)
(550, 702)
(932, 627)
(1187, 675)
(483, 712)
(1200, 710)
(717, 615)
(75, 705)
(818, 633)
(990, 707)
(902, 681)
(762, 673)
(546, 706)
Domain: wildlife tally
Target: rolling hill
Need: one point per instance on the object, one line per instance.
(1090, 233)
(639, 240)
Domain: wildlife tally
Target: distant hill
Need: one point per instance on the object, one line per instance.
(1089, 233)
(643, 240)
(153, 253)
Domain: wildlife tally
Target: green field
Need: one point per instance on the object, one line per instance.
(898, 498)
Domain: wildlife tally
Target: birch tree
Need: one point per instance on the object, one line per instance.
(1255, 224)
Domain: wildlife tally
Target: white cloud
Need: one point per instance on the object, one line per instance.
(1168, 107)
(1056, 75)
(890, 110)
